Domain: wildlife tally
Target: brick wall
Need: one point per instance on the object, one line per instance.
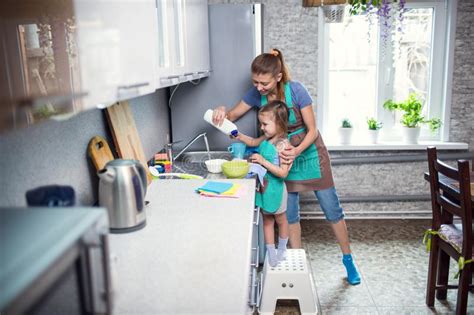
(462, 112)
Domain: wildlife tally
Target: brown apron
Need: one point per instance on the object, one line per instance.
(311, 170)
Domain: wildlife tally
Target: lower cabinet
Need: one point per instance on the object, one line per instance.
(257, 236)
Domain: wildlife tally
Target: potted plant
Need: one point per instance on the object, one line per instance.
(374, 127)
(345, 131)
(412, 117)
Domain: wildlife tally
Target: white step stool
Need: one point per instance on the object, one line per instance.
(290, 280)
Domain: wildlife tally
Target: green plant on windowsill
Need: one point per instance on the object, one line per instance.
(374, 127)
(346, 123)
(412, 115)
(345, 131)
(373, 124)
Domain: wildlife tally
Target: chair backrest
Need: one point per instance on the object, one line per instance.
(447, 201)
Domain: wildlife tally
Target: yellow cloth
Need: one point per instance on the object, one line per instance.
(231, 192)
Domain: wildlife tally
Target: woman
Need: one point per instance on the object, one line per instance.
(311, 167)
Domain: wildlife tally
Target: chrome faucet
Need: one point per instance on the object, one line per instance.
(203, 135)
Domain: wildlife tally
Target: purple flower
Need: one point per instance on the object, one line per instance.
(390, 15)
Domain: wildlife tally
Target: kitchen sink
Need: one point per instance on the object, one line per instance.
(201, 156)
(193, 163)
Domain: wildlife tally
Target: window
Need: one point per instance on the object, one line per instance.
(359, 72)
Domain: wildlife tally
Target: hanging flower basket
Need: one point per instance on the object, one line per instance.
(333, 10)
(333, 13)
(389, 13)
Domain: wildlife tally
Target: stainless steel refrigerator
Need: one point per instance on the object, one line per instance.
(236, 38)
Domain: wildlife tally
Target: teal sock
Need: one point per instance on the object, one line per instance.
(281, 252)
(353, 276)
(272, 255)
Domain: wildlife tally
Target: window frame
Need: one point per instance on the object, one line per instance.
(440, 81)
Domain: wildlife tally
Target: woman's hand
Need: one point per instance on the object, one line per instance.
(256, 158)
(288, 155)
(218, 115)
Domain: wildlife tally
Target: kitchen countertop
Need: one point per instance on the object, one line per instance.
(193, 256)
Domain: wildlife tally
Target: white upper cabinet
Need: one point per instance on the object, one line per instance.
(118, 46)
(197, 37)
(63, 56)
(183, 41)
(40, 73)
(171, 45)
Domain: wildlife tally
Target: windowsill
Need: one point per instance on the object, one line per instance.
(396, 146)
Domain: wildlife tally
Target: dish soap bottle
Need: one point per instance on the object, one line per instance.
(227, 127)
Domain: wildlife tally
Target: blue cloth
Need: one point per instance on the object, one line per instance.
(257, 169)
(299, 95)
(216, 187)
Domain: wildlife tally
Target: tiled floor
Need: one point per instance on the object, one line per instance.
(393, 264)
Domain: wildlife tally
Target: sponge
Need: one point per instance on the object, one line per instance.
(161, 157)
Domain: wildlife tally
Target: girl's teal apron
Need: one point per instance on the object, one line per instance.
(306, 165)
(270, 199)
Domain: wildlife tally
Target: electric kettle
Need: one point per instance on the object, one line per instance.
(122, 188)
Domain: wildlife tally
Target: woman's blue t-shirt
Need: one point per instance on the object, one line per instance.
(299, 96)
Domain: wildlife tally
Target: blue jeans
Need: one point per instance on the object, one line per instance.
(328, 200)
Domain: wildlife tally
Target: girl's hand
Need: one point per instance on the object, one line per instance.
(256, 158)
(288, 155)
(218, 115)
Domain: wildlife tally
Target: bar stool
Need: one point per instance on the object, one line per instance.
(290, 280)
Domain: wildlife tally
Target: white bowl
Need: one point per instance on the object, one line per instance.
(215, 165)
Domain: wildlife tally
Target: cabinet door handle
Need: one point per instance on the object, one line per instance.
(253, 288)
(259, 289)
(257, 260)
(51, 99)
(133, 86)
(257, 213)
(128, 91)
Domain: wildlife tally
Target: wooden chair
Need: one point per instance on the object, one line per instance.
(449, 240)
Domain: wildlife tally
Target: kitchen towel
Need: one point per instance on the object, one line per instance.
(257, 169)
(215, 187)
(235, 191)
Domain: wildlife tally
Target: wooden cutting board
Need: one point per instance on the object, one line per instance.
(124, 131)
(99, 151)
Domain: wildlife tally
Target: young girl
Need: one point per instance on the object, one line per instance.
(272, 201)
